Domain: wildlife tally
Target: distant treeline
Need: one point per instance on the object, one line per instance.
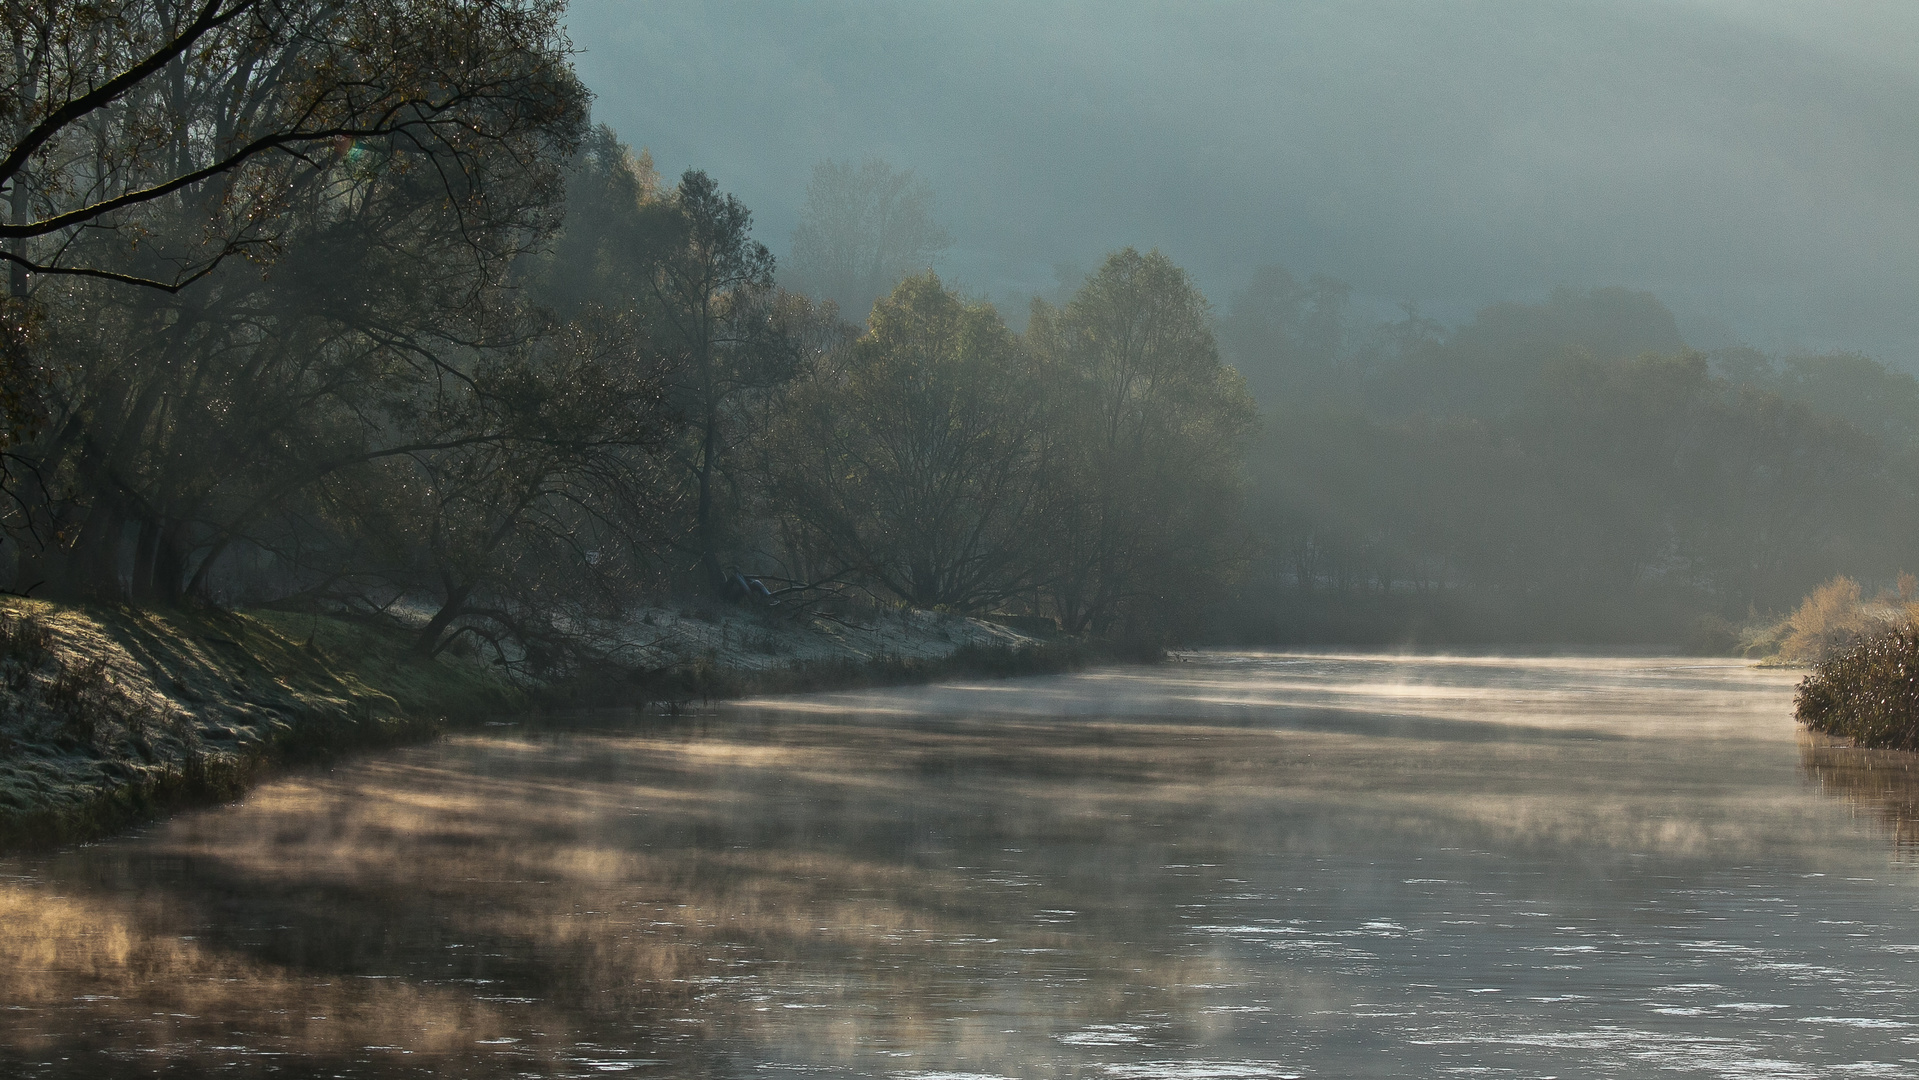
(444, 347)
(1566, 470)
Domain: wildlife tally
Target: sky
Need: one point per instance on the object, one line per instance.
(1755, 165)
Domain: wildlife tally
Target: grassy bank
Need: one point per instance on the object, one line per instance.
(111, 715)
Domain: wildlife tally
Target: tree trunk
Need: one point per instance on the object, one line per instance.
(428, 641)
(709, 555)
(170, 564)
(140, 588)
(90, 568)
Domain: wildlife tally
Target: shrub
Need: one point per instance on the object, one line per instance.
(1868, 693)
(1763, 637)
(1828, 621)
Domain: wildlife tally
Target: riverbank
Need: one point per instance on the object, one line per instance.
(112, 715)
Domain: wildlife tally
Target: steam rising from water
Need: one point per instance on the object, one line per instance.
(1239, 866)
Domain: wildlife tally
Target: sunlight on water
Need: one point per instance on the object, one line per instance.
(1234, 866)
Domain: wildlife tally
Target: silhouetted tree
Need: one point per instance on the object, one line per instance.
(228, 107)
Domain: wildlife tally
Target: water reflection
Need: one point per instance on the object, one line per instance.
(1239, 866)
(1881, 785)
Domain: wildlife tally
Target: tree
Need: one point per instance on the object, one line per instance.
(145, 142)
(534, 489)
(720, 316)
(1286, 336)
(1879, 400)
(1490, 365)
(914, 458)
(111, 108)
(609, 244)
(181, 419)
(1143, 519)
(861, 231)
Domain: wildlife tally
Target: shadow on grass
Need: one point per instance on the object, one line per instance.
(109, 716)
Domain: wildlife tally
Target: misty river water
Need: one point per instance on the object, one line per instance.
(1236, 866)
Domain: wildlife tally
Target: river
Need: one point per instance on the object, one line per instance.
(1236, 866)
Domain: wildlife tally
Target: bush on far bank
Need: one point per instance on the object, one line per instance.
(1868, 693)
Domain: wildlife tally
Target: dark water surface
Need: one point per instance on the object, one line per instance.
(1243, 866)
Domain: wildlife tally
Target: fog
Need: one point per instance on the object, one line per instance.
(1748, 163)
(1231, 866)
